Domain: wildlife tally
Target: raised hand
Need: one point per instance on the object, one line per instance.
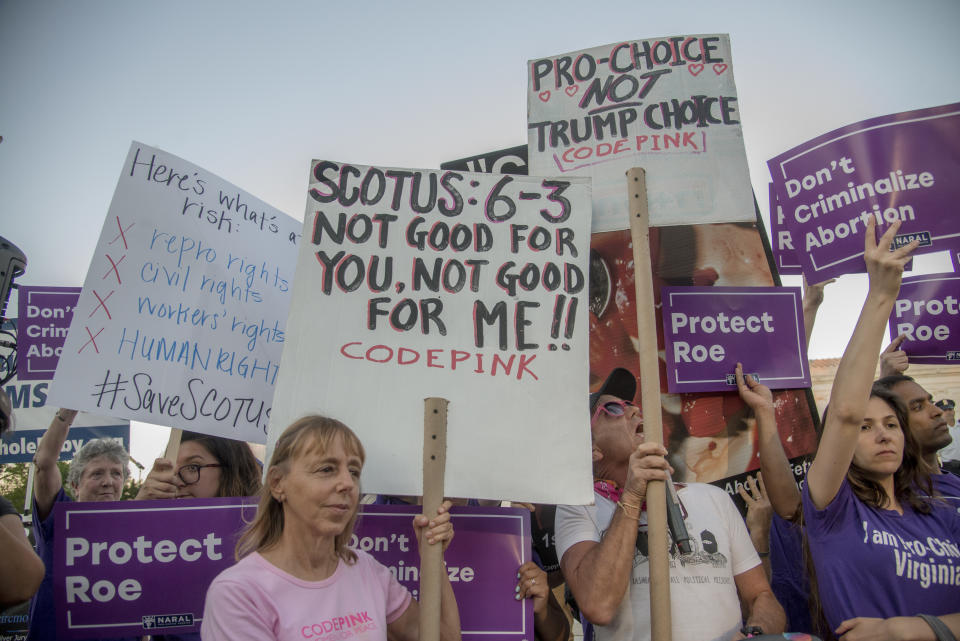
(893, 360)
(885, 267)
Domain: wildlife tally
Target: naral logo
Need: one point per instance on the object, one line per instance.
(154, 621)
(905, 239)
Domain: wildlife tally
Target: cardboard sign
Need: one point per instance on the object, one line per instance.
(20, 446)
(708, 330)
(470, 287)
(927, 310)
(781, 240)
(897, 167)
(181, 318)
(141, 567)
(668, 105)
(45, 315)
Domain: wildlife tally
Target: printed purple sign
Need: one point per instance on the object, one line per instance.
(927, 311)
(781, 241)
(482, 561)
(897, 167)
(140, 566)
(708, 330)
(44, 318)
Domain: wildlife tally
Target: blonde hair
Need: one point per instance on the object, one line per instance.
(303, 435)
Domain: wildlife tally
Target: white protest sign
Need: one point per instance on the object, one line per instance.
(471, 287)
(668, 105)
(181, 318)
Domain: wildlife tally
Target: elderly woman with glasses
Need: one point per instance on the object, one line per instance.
(206, 467)
(296, 576)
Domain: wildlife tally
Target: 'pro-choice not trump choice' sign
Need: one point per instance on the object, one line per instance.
(708, 330)
(181, 318)
(668, 105)
(471, 287)
(902, 167)
(927, 313)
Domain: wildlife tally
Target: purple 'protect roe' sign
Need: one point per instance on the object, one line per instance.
(44, 318)
(143, 567)
(927, 311)
(902, 166)
(708, 330)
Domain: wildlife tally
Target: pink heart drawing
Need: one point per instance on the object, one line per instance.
(719, 68)
(544, 95)
(695, 68)
(572, 89)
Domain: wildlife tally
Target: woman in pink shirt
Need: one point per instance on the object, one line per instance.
(296, 577)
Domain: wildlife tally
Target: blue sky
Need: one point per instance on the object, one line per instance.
(252, 91)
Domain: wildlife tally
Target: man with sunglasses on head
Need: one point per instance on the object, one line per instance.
(97, 473)
(603, 547)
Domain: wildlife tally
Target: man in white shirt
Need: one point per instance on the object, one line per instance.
(952, 451)
(603, 547)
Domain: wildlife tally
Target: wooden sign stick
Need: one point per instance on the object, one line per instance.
(431, 556)
(659, 539)
(173, 445)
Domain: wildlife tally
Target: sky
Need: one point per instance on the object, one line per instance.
(252, 91)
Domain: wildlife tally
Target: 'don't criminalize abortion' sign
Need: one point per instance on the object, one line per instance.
(901, 167)
(181, 318)
(415, 283)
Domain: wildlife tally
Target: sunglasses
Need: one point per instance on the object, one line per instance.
(612, 408)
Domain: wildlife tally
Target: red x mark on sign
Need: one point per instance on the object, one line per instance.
(92, 339)
(113, 268)
(102, 303)
(122, 234)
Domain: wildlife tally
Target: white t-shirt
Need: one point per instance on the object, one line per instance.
(952, 451)
(703, 596)
(255, 600)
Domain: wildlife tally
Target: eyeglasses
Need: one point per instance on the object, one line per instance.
(190, 474)
(612, 408)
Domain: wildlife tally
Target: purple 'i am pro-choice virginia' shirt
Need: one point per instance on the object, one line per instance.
(878, 563)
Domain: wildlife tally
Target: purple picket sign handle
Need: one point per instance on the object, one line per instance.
(44, 315)
(896, 167)
(927, 310)
(137, 567)
(708, 330)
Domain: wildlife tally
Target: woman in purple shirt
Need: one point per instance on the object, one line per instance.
(885, 554)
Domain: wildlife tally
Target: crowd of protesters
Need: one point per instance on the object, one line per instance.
(842, 556)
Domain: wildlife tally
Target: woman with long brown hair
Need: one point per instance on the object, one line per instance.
(884, 549)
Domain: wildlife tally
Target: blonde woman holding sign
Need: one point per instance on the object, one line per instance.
(296, 577)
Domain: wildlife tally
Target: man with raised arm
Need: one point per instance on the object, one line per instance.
(97, 473)
(603, 547)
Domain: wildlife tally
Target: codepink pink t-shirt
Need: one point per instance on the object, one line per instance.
(256, 600)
